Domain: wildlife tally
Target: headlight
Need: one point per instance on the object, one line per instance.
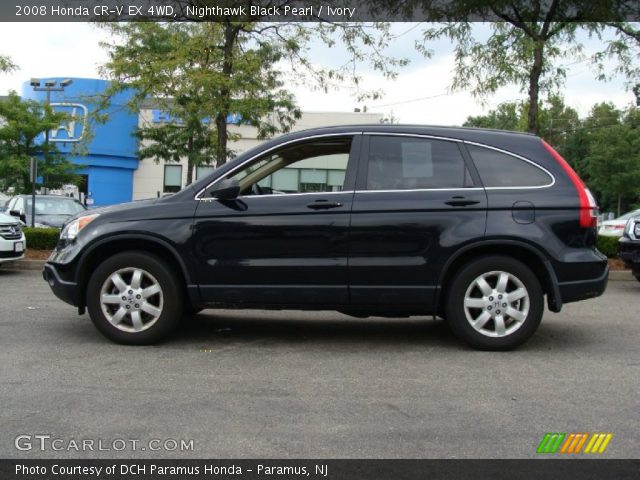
(632, 228)
(72, 228)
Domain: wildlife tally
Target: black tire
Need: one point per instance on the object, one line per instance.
(465, 278)
(170, 292)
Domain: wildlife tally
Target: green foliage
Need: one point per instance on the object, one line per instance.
(505, 117)
(624, 47)
(608, 245)
(6, 65)
(41, 238)
(22, 122)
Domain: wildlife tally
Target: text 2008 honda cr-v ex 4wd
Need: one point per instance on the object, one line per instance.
(475, 226)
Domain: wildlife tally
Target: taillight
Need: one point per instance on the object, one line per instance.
(588, 205)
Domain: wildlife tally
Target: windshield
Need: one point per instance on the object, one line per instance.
(55, 206)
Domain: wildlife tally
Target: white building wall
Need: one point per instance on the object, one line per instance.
(148, 179)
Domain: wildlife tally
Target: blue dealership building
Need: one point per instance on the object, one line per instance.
(109, 158)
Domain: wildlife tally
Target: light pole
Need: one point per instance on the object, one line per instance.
(49, 86)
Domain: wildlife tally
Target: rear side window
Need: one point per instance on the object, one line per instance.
(499, 169)
(404, 163)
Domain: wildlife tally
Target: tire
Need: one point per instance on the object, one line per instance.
(496, 327)
(134, 308)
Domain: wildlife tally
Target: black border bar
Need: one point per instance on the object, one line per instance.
(563, 469)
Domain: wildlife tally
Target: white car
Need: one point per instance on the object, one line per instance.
(615, 227)
(12, 240)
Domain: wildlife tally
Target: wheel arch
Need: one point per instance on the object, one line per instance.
(531, 256)
(103, 249)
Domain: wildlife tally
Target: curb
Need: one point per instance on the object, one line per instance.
(621, 276)
(24, 265)
(614, 275)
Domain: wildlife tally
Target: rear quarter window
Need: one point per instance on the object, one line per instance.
(498, 169)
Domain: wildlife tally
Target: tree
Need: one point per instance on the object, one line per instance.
(557, 120)
(526, 47)
(202, 73)
(505, 117)
(614, 158)
(22, 122)
(184, 68)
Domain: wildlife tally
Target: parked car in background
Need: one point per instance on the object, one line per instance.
(615, 227)
(473, 225)
(3, 200)
(629, 246)
(12, 241)
(50, 211)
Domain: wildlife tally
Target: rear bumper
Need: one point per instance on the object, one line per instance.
(584, 289)
(64, 290)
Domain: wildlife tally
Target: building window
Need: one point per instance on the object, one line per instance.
(172, 178)
(204, 170)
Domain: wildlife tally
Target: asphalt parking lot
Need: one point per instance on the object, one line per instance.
(268, 384)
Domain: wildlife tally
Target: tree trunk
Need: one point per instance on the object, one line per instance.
(221, 133)
(230, 36)
(619, 205)
(190, 162)
(534, 88)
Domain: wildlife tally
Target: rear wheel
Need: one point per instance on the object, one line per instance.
(495, 303)
(133, 298)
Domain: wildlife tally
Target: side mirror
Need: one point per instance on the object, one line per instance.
(18, 213)
(226, 190)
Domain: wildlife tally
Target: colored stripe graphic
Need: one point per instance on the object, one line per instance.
(572, 443)
(598, 443)
(550, 442)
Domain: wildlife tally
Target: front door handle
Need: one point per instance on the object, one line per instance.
(458, 201)
(323, 205)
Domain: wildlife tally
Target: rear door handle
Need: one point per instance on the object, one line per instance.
(458, 201)
(323, 205)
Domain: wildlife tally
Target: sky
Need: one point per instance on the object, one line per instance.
(420, 94)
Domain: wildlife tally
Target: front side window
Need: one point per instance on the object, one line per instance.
(172, 178)
(317, 166)
(499, 169)
(406, 163)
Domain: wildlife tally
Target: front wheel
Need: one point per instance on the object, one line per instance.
(495, 303)
(133, 298)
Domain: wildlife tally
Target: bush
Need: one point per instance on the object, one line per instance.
(41, 238)
(608, 245)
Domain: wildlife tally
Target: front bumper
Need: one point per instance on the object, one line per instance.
(7, 249)
(629, 253)
(64, 290)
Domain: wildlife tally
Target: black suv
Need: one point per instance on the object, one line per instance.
(475, 226)
(629, 246)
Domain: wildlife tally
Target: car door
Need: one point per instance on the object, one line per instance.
(283, 240)
(417, 200)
